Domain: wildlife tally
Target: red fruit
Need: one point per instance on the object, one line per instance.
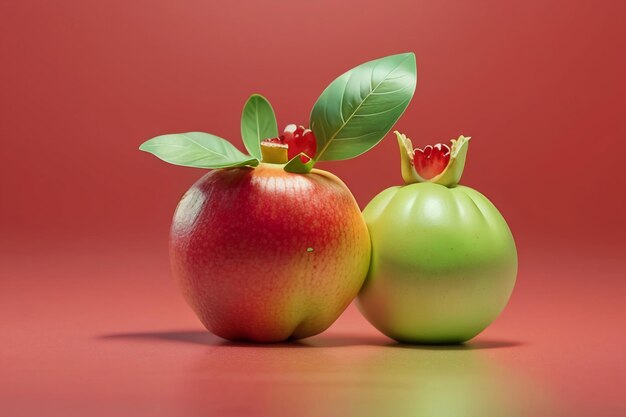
(265, 255)
(432, 160)
(299, 140)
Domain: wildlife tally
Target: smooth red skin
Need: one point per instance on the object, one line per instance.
(238, 249)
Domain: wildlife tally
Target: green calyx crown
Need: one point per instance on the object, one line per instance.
(351, 116)
(449, 177)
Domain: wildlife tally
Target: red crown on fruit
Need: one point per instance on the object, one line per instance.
(293, 141)
(439, 163)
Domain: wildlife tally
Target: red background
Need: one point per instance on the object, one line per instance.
(84, 215)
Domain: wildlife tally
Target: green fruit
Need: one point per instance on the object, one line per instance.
(443, 263)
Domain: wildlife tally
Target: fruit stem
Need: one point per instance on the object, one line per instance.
(274, 153)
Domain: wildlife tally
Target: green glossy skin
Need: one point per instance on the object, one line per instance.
(443, 263)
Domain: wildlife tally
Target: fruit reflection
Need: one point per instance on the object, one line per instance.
(331, 375)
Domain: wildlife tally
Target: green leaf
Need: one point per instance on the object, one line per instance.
(358, 109)
(258, 122)
(296, 165)
(197, 149)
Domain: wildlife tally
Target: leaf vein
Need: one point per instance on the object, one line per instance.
(358, 107)
(380, 112)
(202, 146)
